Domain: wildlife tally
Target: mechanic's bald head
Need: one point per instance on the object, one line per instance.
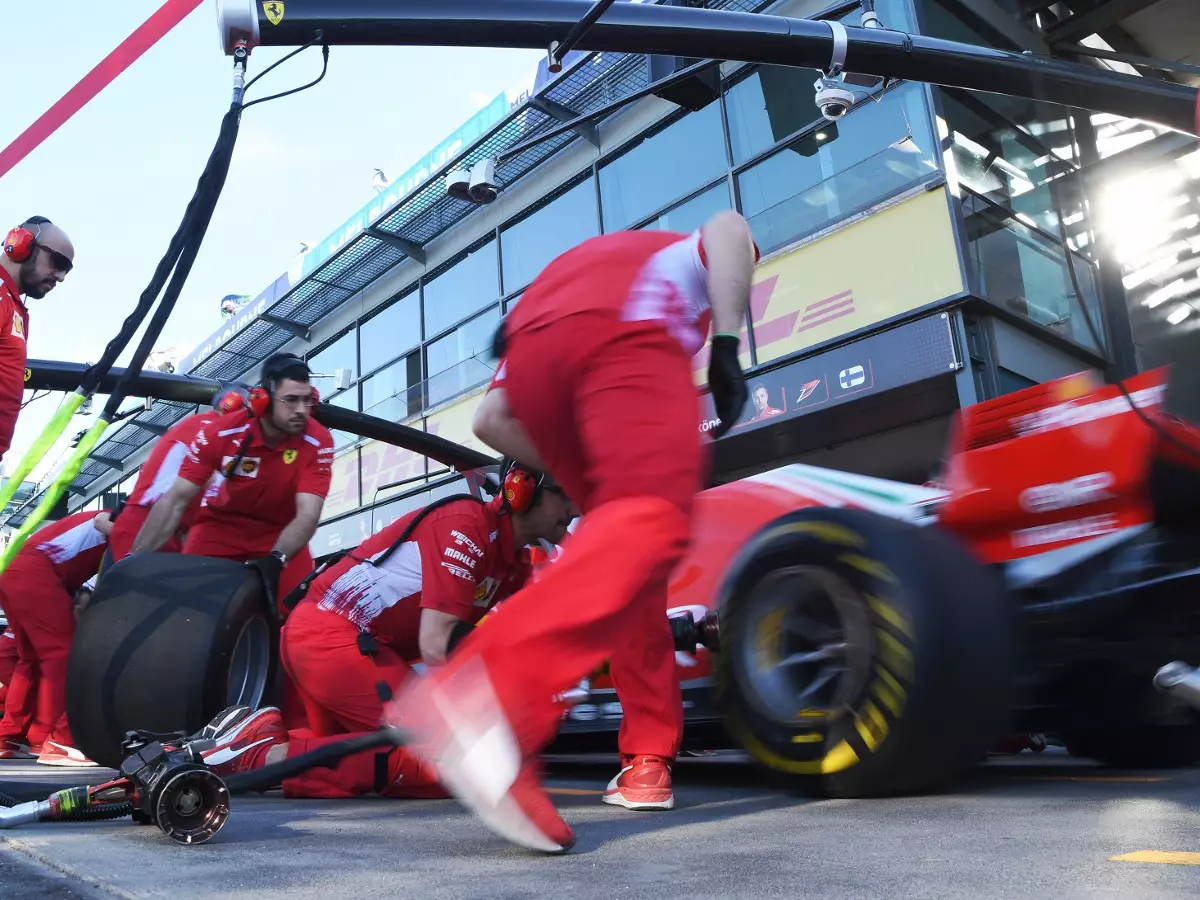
(52, 258)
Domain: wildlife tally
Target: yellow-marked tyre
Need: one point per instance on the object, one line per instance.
(863, 656)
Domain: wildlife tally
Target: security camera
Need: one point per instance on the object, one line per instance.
(458, 185)
(484, 188)
(833, 98)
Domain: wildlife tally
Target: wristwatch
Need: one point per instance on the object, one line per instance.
(281, 556)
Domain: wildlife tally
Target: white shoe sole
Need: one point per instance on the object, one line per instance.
(69, 763)
(619, 800)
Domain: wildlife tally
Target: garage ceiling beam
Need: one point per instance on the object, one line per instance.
(560, 113)
(295, 329)
(1103, 15)
(409, 248)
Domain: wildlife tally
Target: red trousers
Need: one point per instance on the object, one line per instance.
(615, 415)
(338, 686)
(8, 662)
(388, 773)
(336, 682)
(41, 616)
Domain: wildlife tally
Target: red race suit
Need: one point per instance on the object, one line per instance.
(14, 332)
(155, 478)
(244, 511)
(459, 560)
(37, 592)
(8, 662)
(598, 372)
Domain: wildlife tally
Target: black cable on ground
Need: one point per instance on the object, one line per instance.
(101, 812)
(8, 801)
(323, 757)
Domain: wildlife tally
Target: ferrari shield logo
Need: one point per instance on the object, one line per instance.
(289, 456)
(274, 11)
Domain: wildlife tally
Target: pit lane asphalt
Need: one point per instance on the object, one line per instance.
(1024, 826)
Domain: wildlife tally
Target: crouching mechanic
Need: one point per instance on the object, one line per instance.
(270, 468)
(411, 592)
(595, 385)
(159, 472)
(38, 592)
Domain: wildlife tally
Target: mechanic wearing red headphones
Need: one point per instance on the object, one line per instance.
(38, 592)
(35, 256)
(159, 472)
(595, 385)
(272, 466)
(410, 592)
(264, 472)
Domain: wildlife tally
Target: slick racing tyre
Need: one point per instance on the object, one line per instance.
(863, 656)
(167, 642)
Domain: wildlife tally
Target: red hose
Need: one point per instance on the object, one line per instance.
(170, 14)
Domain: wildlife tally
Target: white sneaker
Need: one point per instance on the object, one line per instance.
(56, 754)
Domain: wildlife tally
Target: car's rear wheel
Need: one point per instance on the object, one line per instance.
(166, 643)
(862, 655)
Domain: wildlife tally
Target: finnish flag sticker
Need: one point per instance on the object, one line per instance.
(852, 377)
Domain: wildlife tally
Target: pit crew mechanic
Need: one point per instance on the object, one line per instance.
(37, 255)
(411, 592)
(39, 592)
(272, 466)
(269, 467)
(159, 472)
(595, 385)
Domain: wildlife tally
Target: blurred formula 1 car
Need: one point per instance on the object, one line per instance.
(878, 637)
(875, 637)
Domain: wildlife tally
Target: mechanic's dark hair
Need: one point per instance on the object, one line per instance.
(279, 366)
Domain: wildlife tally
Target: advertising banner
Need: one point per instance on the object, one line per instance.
(899, 356)
(896, 260)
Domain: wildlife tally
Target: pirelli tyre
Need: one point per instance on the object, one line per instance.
(863, 656)
(166, 643)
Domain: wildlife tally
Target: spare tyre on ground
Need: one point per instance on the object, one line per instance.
(864, 656)
(166, 643)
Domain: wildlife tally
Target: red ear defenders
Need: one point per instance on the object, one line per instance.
(519, 487)
(230, 401)
(259, 402)
(19, 244)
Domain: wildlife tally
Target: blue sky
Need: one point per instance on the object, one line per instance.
(118, 176)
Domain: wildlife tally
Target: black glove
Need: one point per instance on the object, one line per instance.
(726, 381)
(270, 567)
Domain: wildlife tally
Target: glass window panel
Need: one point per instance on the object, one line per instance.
(992, 158)
(691, 214)
(345, 400)
(672, 163)
(1020, 270)
(469, 286)
(463, 359)
(390, 333)
(839, 168)
(533, 243)
(386, 393)
(341, 354)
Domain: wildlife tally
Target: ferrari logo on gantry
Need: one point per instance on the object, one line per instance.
(274, 11)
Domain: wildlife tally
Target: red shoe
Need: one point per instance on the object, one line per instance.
(17, 750)
(244, 747)
(56, 754)
(460, 729)
(644, 782)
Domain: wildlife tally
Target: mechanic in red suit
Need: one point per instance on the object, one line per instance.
(38, 592)
(594, 386)
(272, 464)
(35, 257)
(411, 592)
(8, 662)
(159, 472)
